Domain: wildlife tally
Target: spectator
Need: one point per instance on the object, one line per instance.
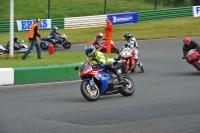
(33, 36)
(108, 32)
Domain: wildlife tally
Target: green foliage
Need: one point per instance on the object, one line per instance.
(56, 59)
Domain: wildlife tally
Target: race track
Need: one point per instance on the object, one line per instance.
(166, 100)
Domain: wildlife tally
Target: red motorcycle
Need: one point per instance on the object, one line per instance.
(193, 57)
(127, 55)
(102, 47)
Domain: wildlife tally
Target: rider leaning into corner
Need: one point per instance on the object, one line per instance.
(98, 57)
(188, 45)
(132, 43)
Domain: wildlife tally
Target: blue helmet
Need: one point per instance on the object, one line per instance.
(89, 50)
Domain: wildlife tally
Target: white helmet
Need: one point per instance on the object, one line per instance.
(100, 35)
(55, 28)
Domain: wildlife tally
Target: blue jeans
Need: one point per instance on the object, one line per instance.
(34, 43)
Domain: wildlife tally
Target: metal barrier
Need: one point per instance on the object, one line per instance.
(165, 13)
(99, 20)
(85, 22)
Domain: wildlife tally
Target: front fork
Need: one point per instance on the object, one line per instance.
(92, 83)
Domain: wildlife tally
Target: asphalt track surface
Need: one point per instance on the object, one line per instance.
(166, 100)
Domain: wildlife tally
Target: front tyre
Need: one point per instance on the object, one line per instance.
(88, 92)
(115, 50)
(128, 86)
(43, 46)
(67, 45)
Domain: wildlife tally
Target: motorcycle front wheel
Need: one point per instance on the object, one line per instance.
(66, 45)
(88, 92)
(43, 46)
(128, 86)
(115, 50)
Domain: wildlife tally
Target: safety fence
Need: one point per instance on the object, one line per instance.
(165, 13)
(5, 25)
(99, 20)
(39, 74)
(85, 22)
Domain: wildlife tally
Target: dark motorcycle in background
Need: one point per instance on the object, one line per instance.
(102, 47)
(97, 80)
(193, 58)
(127, 55)
(61, 42)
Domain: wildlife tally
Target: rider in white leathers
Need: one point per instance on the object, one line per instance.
(132, 43)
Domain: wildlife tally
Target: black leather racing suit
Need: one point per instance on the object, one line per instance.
(193, 45)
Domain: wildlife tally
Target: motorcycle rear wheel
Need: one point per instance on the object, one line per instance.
(89, 93)
(198, 66)
(66, 45)
(128, 89)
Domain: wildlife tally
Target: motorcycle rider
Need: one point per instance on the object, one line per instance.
(98, 57)
(97, 41)
(16, 43)
(132, 43)
(188, 45)
(54, 33)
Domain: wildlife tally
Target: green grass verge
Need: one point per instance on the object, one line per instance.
(29, 9)
(56, 59)
(171, 28)
(178, 27)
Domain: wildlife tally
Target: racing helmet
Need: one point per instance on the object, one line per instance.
(15, 38)
(100, 35)
(186, 41)
(89, 50)
(55, 28)
(127, 36)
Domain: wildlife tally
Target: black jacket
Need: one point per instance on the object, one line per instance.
(193, 45)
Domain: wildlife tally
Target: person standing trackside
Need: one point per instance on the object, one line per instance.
(108, 32)
(33, 36)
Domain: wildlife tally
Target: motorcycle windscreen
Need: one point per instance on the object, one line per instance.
(192, 55)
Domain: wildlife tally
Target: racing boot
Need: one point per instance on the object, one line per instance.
(142, 69)
(119, 77)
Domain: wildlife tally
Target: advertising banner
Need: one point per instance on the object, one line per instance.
(196, 11)
(25, 24)
(123, 18)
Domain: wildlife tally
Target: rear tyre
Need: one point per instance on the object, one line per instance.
(67, 45)
(89, 93)
(43, 46)
(129, 87)
(198, 66)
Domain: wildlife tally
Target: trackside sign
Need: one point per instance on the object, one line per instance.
(196, 11)
(25, 24)
(123, 18)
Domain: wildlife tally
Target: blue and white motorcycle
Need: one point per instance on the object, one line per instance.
(96, 81)
(61, 42)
